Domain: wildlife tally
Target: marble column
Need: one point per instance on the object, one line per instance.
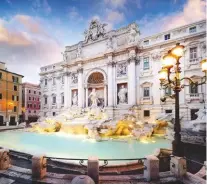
(132, 78)
(80, 87)
(86, 96)
(110, 82)
(105, 95)
(66, 88)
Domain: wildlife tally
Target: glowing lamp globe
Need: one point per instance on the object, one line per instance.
(204, 65)
(178, 50)
(168, 60)
(163, 74)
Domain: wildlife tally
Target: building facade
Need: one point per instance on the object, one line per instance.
(122, 68)
(10, 96)
(31, 101)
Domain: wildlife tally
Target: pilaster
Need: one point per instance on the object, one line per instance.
(80, 87)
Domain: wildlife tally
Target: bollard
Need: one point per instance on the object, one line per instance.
(93, 168)
(39, 168)
(82, 179)
(178, 166)
(151, 171)
(4, 159)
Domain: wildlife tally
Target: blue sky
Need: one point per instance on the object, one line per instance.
(34, 32)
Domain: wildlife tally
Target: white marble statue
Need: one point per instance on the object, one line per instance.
(75, 98)
(122, 95)
(94, 98)
(110, 43)
(132, 34)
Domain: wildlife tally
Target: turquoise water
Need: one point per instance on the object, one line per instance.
(72, 146)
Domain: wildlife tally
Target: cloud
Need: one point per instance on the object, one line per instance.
(25, 50)
(192, 11)
(74, 15)
(41, 6)
(115, 3)
(114, 16)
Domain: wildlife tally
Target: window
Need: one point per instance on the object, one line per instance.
(167, 36)
(39, 106)
(13, 97)
(53, 113)
(0, 96)
(146, 63)
(15, 79)
(168, 91)
(27, 105)
(30, 105)
(0, 75)
(34, 105)
(39, 93)
(146, 92)
(15, 108)
(146, 42)
(35, 111)
(37, 99)
(33, 98)
(45, 82)
(193, 114)
(146, 113)
(17, 98)
(34, 92)
(192, 29)
(29, 91)
(15, 88)
(62, 99)
(168, 111)
(29, 98)
(45, 100)
(29, 111)
(54, 81)
(54, 99)
(193, 89)
(193, 53)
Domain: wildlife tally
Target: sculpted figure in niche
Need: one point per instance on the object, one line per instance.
(93, 98)
(75, 98)
(109, 43)
(122, 95)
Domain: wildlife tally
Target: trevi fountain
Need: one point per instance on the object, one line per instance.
(79, 133)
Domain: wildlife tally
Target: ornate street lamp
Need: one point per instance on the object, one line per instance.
(169, 79)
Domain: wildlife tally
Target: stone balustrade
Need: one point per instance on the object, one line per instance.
(152, 173)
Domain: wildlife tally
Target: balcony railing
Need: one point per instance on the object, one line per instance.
(146, 100)
(194, 97)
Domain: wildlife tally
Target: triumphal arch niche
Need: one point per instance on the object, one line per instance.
(103, 68)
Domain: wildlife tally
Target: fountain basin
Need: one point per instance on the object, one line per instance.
(79, 147)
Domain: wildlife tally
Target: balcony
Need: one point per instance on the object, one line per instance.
(146, 100)
(197, 97)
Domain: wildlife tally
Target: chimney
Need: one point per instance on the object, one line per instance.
(2, 65)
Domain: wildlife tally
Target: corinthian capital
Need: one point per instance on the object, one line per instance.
(133, 58)
(80, 70)
(111, 63)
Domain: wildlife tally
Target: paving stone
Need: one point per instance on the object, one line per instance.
(4, 180)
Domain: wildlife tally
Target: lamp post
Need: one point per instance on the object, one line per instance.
(170, 61)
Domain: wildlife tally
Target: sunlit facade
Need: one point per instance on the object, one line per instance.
(123, 68)
(10, 96)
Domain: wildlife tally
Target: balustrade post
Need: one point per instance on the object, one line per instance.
(4, 159)
(151, 171)
(39, 167)
(178, 166)
(93, 168)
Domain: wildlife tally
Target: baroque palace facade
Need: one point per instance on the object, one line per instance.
(122, 69)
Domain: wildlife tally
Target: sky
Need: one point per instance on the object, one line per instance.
(33, 33)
